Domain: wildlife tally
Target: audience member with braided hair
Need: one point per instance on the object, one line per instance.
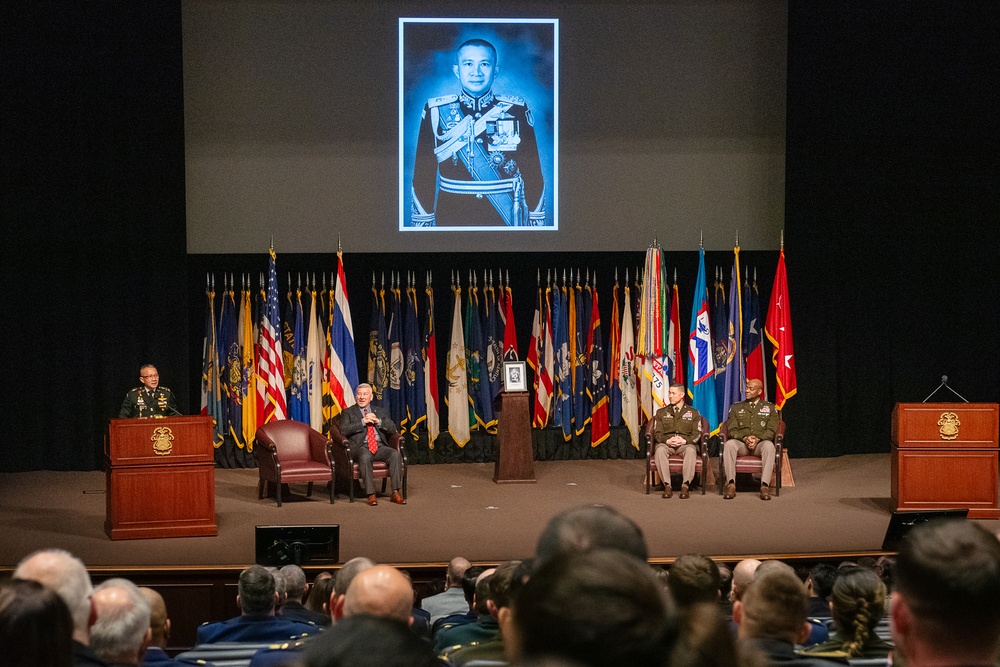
(857, 603)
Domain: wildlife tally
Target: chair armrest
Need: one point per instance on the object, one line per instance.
(318, 446)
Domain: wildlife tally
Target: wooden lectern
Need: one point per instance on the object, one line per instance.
(944, 456)
(160, 478)
(515, 462)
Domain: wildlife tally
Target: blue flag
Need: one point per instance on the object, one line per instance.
(378, 357)
(581, 378)
(229, 361)
(479, 387)
(394, 390)
(298, 404)
(493, 343)
(735, 387)
(701, 367)
(563, 412)
(720, 339)
(413, 370)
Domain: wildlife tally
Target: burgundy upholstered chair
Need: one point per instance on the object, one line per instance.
(754, 465)
(290, 451)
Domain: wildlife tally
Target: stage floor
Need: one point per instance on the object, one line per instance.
(839, 505)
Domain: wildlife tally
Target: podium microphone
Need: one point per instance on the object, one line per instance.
(178, 413)
(944, 384)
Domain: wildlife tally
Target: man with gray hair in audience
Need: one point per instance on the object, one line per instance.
(65, 574)
(121, 632)
(295, 592)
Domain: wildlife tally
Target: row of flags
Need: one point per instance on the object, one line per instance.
(258, 366)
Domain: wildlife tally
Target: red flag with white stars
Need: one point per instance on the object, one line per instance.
(778, 329)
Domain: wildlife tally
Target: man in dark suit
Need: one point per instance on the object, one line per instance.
(369, 427)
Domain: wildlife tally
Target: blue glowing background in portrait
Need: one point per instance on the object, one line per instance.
(527, 57)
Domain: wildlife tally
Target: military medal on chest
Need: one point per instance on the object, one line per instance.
(504, 133)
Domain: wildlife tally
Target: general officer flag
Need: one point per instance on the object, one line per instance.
(509, 333)
(779, 331)
(701, 367)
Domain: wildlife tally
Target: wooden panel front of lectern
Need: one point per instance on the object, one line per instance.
(945, 456)
(160, 478)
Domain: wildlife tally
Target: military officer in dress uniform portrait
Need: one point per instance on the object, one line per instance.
(676, 431)
(477, 158)
(752, 424)
(149, 400)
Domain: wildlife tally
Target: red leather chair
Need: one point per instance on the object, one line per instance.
(347, 469)
(676, 460)
(290, 451)
(754, 465)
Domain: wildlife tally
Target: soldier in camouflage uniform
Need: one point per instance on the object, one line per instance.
(752, 424)
(676, 431)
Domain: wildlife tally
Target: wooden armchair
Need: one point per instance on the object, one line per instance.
(754, 465)
(347, 470)
(290, 451)
(676, 460)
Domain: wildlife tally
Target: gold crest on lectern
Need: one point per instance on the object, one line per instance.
(949, 425)
(162, 441)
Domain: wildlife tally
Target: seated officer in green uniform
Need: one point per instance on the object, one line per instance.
(752, 424)
(149, 400)
(676, 431)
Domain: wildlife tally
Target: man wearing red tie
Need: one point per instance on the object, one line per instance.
(369, 427)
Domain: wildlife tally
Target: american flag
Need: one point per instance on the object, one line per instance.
(271, 373)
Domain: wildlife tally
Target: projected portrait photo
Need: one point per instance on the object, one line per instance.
(478, 104)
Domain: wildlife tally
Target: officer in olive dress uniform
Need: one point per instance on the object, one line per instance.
(677, 430)
(477, 158)
(752, 424)
(149, 400)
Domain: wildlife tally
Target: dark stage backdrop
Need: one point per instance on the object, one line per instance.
(891, 198)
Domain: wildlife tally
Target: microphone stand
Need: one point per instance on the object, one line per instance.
(944, 384)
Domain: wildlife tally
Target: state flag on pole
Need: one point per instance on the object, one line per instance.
(753, 348)
(614, 363)
(413, 370)
(779, 331)
(627, 373)
(344, 378)
(719, 314)
(598, 381)
(430, 370)
(378, 354)
(509, 333)
(493, 342)
(546, 364)
(701, 367)
(735, 387)
(231, 373)
(315, 348)
(480, 392)
(457, 398)
(394, 390)
(211, 391)
(298, 406)
(248, 387)
(270, 369)
(562, 380)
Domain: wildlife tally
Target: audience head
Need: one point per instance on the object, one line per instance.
(693, 578)
(65, 574)
(947, 588)
(596, 608)
(256, 591)
(725, 582)
(774, 606)
(369, 640)
(480, 603)
(121, 632)
(706, 639)
(857, 602)
(159, 623)
(591, 527)
(820, 581)
(456, 570)
(742, 576)
(345, 576)
(36, 627)
(295, 582)
(319, 596)
(280, 590)
(469, 580)
(382, 591)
